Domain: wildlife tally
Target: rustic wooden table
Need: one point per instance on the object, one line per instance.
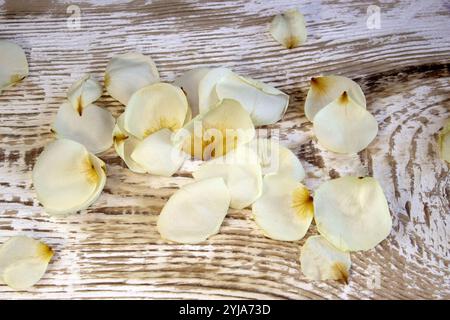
(112, 250)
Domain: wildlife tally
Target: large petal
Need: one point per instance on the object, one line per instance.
(154, 107)
(343, 126)
(84, 92)
(218, 131)
(265, 104)
(23, 261)
(127, 73)
(195, 212)
(67, 178)
(327, 89)
(320, 260)
(284, 211)
(241, 172)
(125, 143)
(289, 28)
(158, 155)
(13, 64)
(277, 159)
(352, 213)
(93, 128)
(190, 82)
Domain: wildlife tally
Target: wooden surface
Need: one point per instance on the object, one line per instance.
(112, 250)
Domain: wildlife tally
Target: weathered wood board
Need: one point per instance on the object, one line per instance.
(112, 250)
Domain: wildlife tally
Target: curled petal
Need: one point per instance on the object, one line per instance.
(444, 142)
(13, 64)
(127, 73)
(189, 82)
(265, 104)
(284, 211)
(84, 92)
(352, 213)
(241, 172)
(207, 95)
(67, 178)
(320, 260)
(158, 155)
(124, 144)
(343, 126)
(218, 131)
(93, 128)
(195, 212)
(324, 90)
(155, 107)
(289, 28)
(23, 261)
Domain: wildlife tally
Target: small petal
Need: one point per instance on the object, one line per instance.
(84, 92)
(23, 261)
(158, 155)
(93, 128)
(343, 126)
(352, 213)
(320, 260)
(125, 143)
(289, 29)
(155, 107)
(67, 178)
(13, 64)
(189, 82)
(265, 104)
(195, 212)
(277, 159)
(444, 142)
(127, 73)
(218, 131)
(284, 211)
(241, 172)
(327, 89)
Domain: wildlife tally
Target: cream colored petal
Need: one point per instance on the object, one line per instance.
(155, 107)
(284, 211)
(277, 159)
(67, 178)
(127, 73)
(327, 89)
(93, 128)
(320, 260)
(158, 155)
(444, 142)
(195, 212)
(289, 28)
(13, 64)
(352, 213)
(241, 172)
(207, 96)
(344, 127)
(125, 143)
(84, 92)
(218, 131)
(265, 104)
(23, 261)
(190, 82)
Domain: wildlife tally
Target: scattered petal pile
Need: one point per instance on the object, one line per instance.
(289, 28)
(13, 64)
(23, 262)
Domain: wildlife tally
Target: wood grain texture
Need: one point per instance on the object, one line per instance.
(112, 250)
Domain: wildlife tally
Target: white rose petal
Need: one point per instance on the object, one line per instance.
(289, 28)
(13, 64)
